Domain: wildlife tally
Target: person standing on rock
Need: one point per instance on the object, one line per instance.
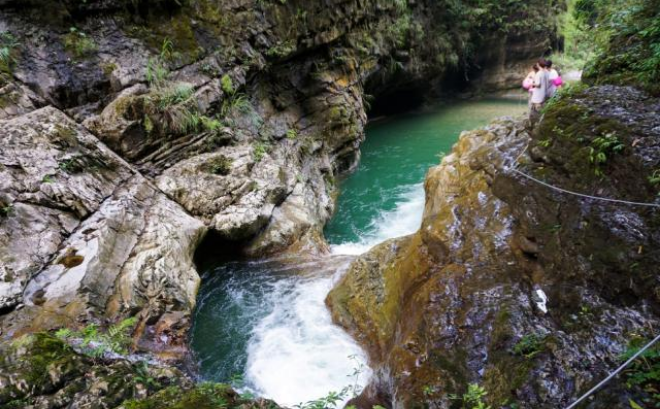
(539, 91)
(528, 84)
(554, 80)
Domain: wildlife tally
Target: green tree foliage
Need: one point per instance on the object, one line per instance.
(627, 34)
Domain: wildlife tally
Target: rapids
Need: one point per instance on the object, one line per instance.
(266, 322)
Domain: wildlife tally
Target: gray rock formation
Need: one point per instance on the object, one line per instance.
(130, 128)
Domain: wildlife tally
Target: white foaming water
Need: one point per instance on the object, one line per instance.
(296, 353)
(404, 219)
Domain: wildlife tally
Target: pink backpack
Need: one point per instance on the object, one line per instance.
(527, 83)
(558, 82)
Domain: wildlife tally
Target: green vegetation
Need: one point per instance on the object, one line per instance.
(327, 402)
(203, 396)
(45, 351)
(260, 150)
(220, 165)
(654, 178)
(95, 343)
(579, 45)
(643, 374)
(78, 43)
(71, 165)
(157, 71)
(171, 107)
(176, 94)
(282, 49)
(8, 45)
(6, 209)
(627, 35)
(236, 103)
(227, 85)
(472, 398)
(292, 134)
(530, 345)
(601, 148)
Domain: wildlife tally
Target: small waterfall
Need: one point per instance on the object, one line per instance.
(296, 353)
(403, 220)
(267, 320)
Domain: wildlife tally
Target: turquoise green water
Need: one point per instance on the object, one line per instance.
(267, 322)
(395, 157)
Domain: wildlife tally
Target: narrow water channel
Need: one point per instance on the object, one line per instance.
(266, 321)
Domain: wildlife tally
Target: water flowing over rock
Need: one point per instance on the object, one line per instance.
(508, 284)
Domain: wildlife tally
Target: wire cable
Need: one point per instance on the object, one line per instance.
(582, 195)
(613, 374)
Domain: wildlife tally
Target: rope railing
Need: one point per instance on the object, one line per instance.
(609, 200)
(570, 192)
(613, 374)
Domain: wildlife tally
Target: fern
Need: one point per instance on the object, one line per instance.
(95, 343)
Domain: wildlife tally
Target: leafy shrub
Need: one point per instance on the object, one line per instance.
(95, 342)
(473, 398)
(628, 36)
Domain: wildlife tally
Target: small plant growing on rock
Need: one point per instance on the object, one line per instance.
(78, 43)
(292, 134)
(95, 343)
(7, 45)
(176, 94)
(529, 345)
(654, 178)
(70, 165)
(473, 398)
(331, 400)
(601, 148)
(220, 166)
(6, 209)
(227, 85)
(236, 103)
(644, 373)
(260, 150)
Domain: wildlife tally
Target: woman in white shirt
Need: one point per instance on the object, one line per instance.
(539, 91)
(553, 77)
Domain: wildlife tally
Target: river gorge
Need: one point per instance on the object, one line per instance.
(266, 321)
(264, 204)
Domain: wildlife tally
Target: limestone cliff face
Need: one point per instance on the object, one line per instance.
(528, 292)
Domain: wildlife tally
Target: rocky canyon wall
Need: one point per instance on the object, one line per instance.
(130, 129)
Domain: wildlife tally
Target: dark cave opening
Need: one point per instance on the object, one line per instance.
(215, 249)
(396, 101)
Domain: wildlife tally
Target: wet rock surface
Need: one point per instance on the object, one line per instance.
(530, 293)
